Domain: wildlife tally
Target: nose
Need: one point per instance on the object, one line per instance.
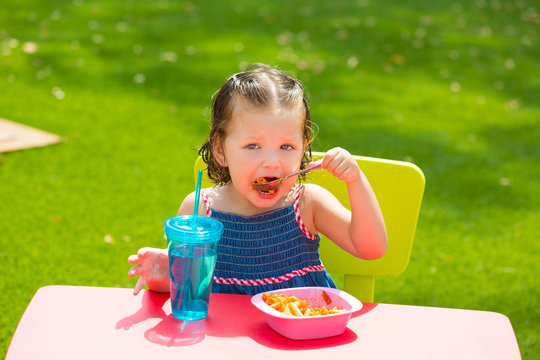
(270, 160)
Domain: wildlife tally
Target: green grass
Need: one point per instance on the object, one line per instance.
(452, 87)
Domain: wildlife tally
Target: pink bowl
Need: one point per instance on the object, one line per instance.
(310, 327)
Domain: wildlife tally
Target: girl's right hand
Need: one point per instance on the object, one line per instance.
(340, 163)
(153, 266)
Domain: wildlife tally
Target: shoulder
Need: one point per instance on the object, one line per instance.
(312, 197)
(186, 208)
(315, 198)
(313, 194)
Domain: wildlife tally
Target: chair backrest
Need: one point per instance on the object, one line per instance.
(399, 187)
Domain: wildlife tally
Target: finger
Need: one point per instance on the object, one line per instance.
(332, 164)
(138, 287)
(339, 171)
(133, 259)
(145, 252)
(142, 251)
(329, 158)
(341, 164)
(134, 271)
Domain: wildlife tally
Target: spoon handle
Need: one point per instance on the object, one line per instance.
(316, 167)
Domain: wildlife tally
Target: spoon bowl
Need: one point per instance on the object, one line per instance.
(263, 185)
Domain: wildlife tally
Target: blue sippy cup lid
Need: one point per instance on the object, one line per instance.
(198, 230)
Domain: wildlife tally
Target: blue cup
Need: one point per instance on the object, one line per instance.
(192, 248)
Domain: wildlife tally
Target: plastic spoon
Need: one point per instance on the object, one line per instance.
(274, 184)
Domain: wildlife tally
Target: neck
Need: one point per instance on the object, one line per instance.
(227, 199)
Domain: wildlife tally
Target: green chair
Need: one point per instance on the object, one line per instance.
(399, 187)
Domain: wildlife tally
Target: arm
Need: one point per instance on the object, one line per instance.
(151, 264)
(360, 231)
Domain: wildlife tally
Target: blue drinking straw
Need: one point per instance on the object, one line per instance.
(197, 195)
(186, 295)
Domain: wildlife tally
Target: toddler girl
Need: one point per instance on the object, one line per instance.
(261, 128)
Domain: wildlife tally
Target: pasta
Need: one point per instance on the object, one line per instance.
(259, 185)
(291, 305)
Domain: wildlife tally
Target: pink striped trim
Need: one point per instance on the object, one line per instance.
(270, 280)
(304, 229)
(206, 203)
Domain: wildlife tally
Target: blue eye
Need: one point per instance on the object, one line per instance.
(287, 147)
(252, 146)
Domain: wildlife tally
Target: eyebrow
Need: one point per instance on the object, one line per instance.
(286, 138)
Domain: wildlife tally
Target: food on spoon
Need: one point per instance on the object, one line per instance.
(260, 182)
(291, 305)
(265, 179)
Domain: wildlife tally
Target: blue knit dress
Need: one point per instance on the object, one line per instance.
(268, 251)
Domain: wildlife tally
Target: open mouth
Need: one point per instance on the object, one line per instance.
(266, 185)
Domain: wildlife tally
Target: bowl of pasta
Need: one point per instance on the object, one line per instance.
(307, 312)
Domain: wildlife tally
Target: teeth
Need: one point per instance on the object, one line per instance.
(269, 192)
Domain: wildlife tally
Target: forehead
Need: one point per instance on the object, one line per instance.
(245, 115)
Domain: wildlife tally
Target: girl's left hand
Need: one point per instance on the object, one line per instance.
(340, 163)
(153, 266)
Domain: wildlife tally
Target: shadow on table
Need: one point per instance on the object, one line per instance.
(169, 331)
(246, 321)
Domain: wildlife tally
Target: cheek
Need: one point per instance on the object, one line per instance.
(239, 170)
(298, 160)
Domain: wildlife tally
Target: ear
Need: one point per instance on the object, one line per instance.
(219, 152)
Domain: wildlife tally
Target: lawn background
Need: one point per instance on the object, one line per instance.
(451, 86)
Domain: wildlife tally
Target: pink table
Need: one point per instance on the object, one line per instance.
(71, 322)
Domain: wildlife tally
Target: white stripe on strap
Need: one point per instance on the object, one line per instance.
(269, 280)
(206, 203)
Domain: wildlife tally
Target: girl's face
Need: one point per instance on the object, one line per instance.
(262, 142)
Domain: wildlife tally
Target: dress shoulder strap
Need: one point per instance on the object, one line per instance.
(206, 202)
(297, 215)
